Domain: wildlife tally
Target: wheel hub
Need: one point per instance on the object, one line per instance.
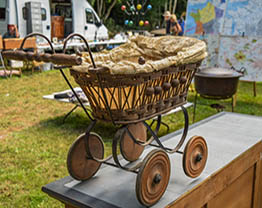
(157, 179)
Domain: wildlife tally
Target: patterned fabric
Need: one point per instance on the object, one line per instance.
(71, 96)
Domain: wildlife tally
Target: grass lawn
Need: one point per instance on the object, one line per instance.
(34, 142)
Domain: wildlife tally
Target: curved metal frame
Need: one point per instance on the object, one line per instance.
(154, 137)
(75, 94)
(63, 74)
(181, 141)
(151, 138)
(94, 65)
(37, 34)
(83, 38)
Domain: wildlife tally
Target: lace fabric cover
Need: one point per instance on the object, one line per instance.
(158, 53)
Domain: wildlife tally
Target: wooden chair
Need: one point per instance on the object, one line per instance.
(16, 67)
(3, 71)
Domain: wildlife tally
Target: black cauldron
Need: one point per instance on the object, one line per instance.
(216, 83)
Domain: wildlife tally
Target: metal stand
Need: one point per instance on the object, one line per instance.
(71, 111)
(163, 123)
(218, 107)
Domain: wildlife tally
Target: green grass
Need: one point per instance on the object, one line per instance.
(34, 142)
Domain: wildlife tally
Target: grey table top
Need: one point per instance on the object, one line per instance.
(228, 135)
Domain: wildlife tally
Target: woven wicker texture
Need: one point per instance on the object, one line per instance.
(156, 52)
(131, 98)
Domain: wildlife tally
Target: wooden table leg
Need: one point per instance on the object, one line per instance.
(234, 101)
(255, 89)
(69, 206)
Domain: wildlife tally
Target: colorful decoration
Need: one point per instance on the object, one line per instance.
(149, 7)
(136, 11)
(141, 23)
(123, 7)
(132, 8)
(139, 7)
(130, 23)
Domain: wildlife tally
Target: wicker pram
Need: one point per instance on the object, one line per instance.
(128, 97)
(131, 98)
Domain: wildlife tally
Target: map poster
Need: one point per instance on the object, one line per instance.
(243, 18)
(225, 17)
(204, 16)
(212, 42)
(232, 30)
(242, 52)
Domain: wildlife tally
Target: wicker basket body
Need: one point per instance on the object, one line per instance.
(131, 98)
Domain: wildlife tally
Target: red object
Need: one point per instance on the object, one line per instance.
(10, 27)
(123, 7)
(146, 22)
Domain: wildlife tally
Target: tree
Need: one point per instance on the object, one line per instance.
(172, 6)
(103, 7)
(176, 6)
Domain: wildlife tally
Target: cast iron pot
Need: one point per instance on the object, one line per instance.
(216, 83)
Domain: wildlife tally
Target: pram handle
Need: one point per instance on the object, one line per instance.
(59, 59)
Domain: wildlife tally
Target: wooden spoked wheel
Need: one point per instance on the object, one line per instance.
(153, 177)
(79, 166)
(195, 156)
(130, 150)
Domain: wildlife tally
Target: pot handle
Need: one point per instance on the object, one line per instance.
(242, 70)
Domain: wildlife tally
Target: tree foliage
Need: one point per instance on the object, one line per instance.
(103, 7)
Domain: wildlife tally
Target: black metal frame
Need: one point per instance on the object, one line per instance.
(117, 137)
(211, 98)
